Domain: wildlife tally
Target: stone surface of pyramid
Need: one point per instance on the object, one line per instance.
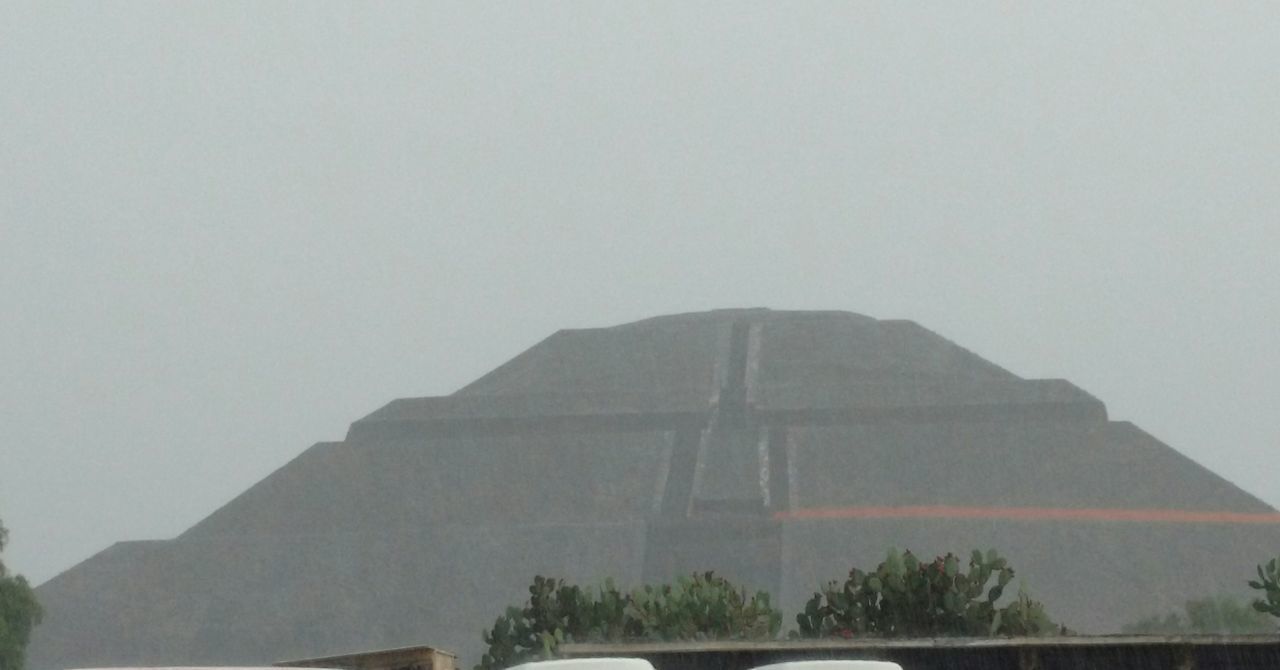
(778, 448)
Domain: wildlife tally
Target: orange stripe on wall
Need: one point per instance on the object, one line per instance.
(1030, 514)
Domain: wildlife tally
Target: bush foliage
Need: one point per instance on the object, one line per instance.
(905, 596)
(1223, 615)
(701, 606)
(19, 614)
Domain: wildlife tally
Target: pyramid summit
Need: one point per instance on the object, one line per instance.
(775, 447)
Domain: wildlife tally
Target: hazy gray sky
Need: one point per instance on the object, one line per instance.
(227, 230)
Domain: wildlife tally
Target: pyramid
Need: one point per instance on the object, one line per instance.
(776, 447)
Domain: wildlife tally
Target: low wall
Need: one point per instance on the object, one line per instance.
(1246, 652)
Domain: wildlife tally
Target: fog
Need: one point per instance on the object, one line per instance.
(228, 230)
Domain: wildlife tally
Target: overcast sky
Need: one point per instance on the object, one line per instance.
(228, 230)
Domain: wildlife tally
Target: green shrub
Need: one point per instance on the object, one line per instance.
(1223, 615)
(702, 606)
(904, 596)
(19, 614)
(1269, 583)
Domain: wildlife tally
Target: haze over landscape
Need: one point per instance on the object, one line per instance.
(227, 230)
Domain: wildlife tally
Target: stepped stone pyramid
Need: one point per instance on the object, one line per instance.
(777, 448)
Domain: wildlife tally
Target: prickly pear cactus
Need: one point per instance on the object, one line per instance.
(701, 606)
(905, 596)
(1269, 583)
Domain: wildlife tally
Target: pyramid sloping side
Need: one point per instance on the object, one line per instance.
(676, 355)
(683, 353)
(256, 600)
(679, 365)
(824, 350)
(1046, 463)
(1146, 470)
(412, 483)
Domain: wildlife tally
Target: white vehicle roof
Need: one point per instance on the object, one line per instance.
(831, 665)
(587, 664)
(199, 667)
